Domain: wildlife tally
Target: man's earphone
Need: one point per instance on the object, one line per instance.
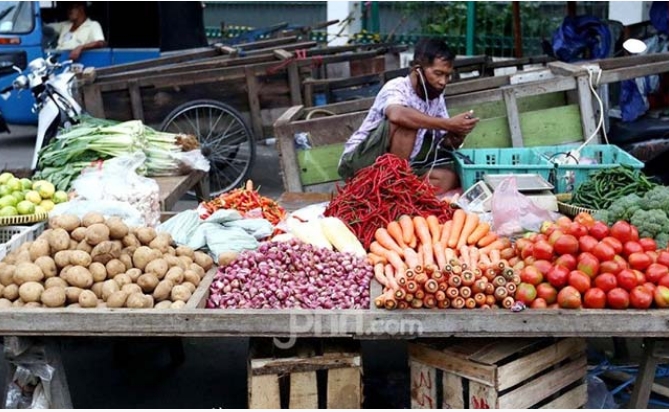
(419, 70)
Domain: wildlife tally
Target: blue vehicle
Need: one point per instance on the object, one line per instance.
(134, 31)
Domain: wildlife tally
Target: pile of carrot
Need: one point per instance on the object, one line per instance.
(463, 247)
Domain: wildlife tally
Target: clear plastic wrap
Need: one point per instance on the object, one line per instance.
(514, 213)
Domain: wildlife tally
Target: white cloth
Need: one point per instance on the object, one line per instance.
(90, 31)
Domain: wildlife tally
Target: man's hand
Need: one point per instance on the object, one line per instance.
(453, 140)
(462, 124)
(76, 52)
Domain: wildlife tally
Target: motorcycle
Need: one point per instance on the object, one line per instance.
(50, 83)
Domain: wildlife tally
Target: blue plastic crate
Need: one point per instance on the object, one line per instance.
(567, 177)
(499, 161)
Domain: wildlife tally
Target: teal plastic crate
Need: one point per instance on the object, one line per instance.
(499, 161)
(567, 177)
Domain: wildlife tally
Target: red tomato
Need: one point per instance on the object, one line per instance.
(594, 298)
(653, 255)
(664, 281)
(641, 298)
(577, 229)
(547, 228)
(631, 247)
(634, 237)
(566, 245)
(621, 262)
(557, 234)
(547, 292)
(615, 244)
(655, 272)
(526, 293)
(640, 277)
(527, 251)
(627, 279)
(569, 298)
(558, 276)
(599, 230)
(531, 275)
(588, 263)
(606, 281)
(568, 261)
(542, 250)
(639, 261)
(544, 266)
(539, 303)
(663, 258)
(585, 219)
(610, 267)
(622, 231)
(529, 260)
(662, 296)
(648, 244)
(603, 252)
(587, 243)
(563, 222)
(579, 280)
(650, 287)
(618, 298)
(522, 243)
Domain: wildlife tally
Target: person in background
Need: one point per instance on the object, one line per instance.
(78, 33)
(409, 119)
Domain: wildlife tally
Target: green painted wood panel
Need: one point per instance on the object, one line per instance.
(525, 104)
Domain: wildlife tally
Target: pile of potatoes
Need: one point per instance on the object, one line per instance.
(95, 262)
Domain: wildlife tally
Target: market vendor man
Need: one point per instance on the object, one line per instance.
(79, 32)
(409, 119)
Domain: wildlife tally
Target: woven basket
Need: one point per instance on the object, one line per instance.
(23, 219)
(570, 210)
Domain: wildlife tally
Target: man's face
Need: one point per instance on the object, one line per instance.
(74, 13)
(439, 74)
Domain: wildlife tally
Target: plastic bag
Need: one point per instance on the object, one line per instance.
(514, 213)
(108, 208)
(181, 227)
(578, 34)
(117, 180)
(599, 396)
(192, 160)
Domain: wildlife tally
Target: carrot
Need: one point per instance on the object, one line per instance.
(374, 259)
(419, 255)
(439, 255)
(445, 233)
(428, 255)
(481, 230)
(422, 230)
(390, 275)
(496, 245)
(459, 217)
(471, 221)
(391, 256)
(413, 243)
(395, 231)
(450, 255)
(381, 235)
(495, 257)
(487, 239)
(484, 259)
(380, 275)
(474, 257)
(410, 257)
(435, 228)
(407, 228)
(464, 256)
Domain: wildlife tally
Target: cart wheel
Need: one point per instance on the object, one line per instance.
(225, 140)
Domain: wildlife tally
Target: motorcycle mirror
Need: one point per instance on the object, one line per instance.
(634, 46)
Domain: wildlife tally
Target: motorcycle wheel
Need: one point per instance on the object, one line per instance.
(225, 140)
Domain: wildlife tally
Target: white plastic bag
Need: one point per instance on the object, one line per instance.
(514, 213)
(193, 160)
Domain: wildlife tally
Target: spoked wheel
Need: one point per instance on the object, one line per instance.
(225, 140)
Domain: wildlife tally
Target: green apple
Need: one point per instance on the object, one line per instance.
(26, 183)
(47, 204)
(46, 190)
(4, 178)
(19, 196)
(8, 200)
(25, 207)
(4, 190)
(8, 211)
(34, 197)
(14, 184)
(60, 197)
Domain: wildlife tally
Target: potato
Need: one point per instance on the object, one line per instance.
(62, 258)
(40, 247)
(172, 261)
(2, 289)
(192, 277)
(7, 274)
(55, 282)
(166, 304)
(190, 286)
(117, 229)
(10, 259)
(117, 299)
(25, 247)
(185, 251)
(148, 302)
(23, 257)
(29, 305)
(131, 240)
(122, 279)
(134, 274)
(92, 218)
(72, 294)
(31, 291)
(142, 257)
(59, 240)
(179, 304)
(109, 287)
(129, 250)
(46, 234)
(80, 277)
(67, 222)
(171, 251)
(127, 261)
(176, 275)
(5, 303)
(147, 282)
(158, 267)
(197, 269)
(204, 260)
(47, 265)
(84, 247)
(225, 258)
(105, 251)
(181, 292)
(185, 262)
(54, 297)
(73, 306)
(131, 288)
(163, 290)
(63, 271)
(146, 235)
(115, 267)
(87, 299)
(27, 272)
(99, 271)
(101, 304)
(80, 258)
(78, 234)
(73, 244)
(135, 301)
(97, 233)
(18, 303)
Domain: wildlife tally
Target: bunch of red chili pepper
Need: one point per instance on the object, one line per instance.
(381, 193)
(244, 200)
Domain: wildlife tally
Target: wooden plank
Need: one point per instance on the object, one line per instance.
(298, 364)
(136, 100)
(498, 108)
(511, 374)
(423, 385)
(295, 84)
(303, 391)
(624, 377)
(558, 84)
(645, 377)
(287, 153)
(481, 373)
(263, 44)
(332, 129)
(573, 399)
(453, 391)
(513, 117)
(252, 91)
(264, 392)
(630, 61)
(500, 350)
(282, 54)
(172, 188)
(182, 56)
(292, 201)
(475, 85)
(344, 388)
(616, 75)
(542, 387)
(585, 104)
(482, 396)
(201, 294)
(566, 69)
(93, 101)
(320, 164)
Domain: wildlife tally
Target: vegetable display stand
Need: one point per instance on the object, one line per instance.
(11, 237)
(498, 373)
(314, 373)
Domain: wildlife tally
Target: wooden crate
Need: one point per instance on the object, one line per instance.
(315, 373)
(501, 373)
